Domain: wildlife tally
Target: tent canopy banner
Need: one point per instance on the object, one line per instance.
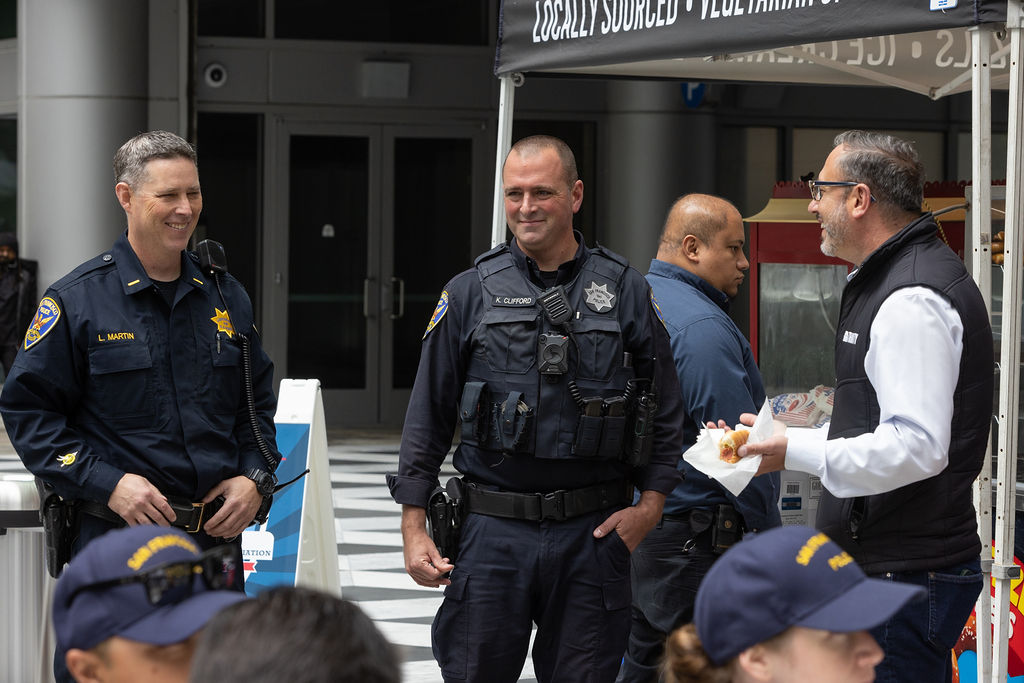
(577, 35)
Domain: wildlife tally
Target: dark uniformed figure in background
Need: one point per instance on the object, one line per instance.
(698, 270)
(18, 297)
(127, 394)
(546, 351)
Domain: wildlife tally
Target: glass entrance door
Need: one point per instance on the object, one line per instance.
(378, 219)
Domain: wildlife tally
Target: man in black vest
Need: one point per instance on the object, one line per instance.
(913, 401)
(553, 357)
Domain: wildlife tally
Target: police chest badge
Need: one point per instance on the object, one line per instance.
(598, 297)
(44, 320)
(442, 308)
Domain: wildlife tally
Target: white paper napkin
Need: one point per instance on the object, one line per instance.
(704, 454)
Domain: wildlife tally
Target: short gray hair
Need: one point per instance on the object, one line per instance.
(131, 159)
(886, 164)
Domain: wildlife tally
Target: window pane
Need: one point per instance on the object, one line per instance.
(233, 18)
(432, 238)
(228, 147)
(798, 311)
(327, 246)
(8, 175)
(8, 19)
(442, 22)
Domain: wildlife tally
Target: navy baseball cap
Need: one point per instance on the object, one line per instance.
(149, 584)
(789, 576)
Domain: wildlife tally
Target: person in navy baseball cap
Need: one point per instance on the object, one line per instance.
(131, 604)
(785, 606)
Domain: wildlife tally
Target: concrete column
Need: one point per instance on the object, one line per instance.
(655, 150)
(83, 81)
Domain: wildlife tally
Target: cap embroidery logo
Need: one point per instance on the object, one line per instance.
(67, 459)
(810, 548)
(223, 322)
(155, 545)
(45, 318)
(439, 311)
(598, 296)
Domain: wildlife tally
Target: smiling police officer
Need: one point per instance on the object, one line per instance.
(126, 396)
(547, 351)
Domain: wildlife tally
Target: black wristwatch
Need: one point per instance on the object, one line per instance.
(265, 481)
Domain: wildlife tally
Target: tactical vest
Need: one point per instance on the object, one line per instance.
(508, 405)
(930, 523)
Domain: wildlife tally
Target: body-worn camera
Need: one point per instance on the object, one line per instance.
(553, 353)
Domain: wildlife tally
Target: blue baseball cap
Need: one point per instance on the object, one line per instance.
(789, 576)
(110, 587)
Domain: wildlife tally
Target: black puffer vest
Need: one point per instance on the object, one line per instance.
(931, 523)
(507, 404)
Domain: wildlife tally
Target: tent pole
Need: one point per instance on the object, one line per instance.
(981, 267)
(506, 107)
(1003, 568)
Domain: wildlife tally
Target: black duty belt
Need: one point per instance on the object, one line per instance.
(189, 516)
(558, 505)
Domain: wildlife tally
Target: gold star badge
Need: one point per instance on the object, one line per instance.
(223, 322)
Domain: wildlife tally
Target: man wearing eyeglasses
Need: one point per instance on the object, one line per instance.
(131, 605)
(913, 401)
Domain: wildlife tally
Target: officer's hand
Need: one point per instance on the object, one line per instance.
(634, 522)
(241, 502)
(139, 502)
(422, 561)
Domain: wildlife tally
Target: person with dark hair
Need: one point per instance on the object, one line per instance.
(552, 355)
(130, 606)
(785, 606)
(127, 395)
(913, 401)
(17, 298)
(294, 635)
(698, 269)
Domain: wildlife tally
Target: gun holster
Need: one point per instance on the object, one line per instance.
(60, 525)
(444, 518)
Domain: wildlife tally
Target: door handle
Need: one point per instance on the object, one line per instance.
(366, 298)
(401, 297)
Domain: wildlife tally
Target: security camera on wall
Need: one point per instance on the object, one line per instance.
(215, 74)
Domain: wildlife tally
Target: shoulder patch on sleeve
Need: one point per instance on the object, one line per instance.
(439, 311)
(44, 320)
(657, 309)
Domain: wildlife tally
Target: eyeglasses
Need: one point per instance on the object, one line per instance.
(818, 186)
(172, 582)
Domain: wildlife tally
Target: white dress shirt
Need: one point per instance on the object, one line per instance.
(913, 362)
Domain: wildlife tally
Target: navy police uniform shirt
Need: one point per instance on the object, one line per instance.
(110, 380)
(433, 407)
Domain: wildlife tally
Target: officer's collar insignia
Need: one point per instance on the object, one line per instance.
(223, 322)
(513, 300)
(598, 297)
(44, 320)
(442, 308)
(67, 459)
(657, 309)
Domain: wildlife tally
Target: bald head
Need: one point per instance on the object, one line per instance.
(700, 215)
(704, 235)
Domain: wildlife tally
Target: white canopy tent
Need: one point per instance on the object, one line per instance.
(931, 47)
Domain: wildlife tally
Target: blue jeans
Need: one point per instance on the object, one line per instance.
(918, 639)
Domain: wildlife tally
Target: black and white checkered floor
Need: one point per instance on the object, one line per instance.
(370, 557)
